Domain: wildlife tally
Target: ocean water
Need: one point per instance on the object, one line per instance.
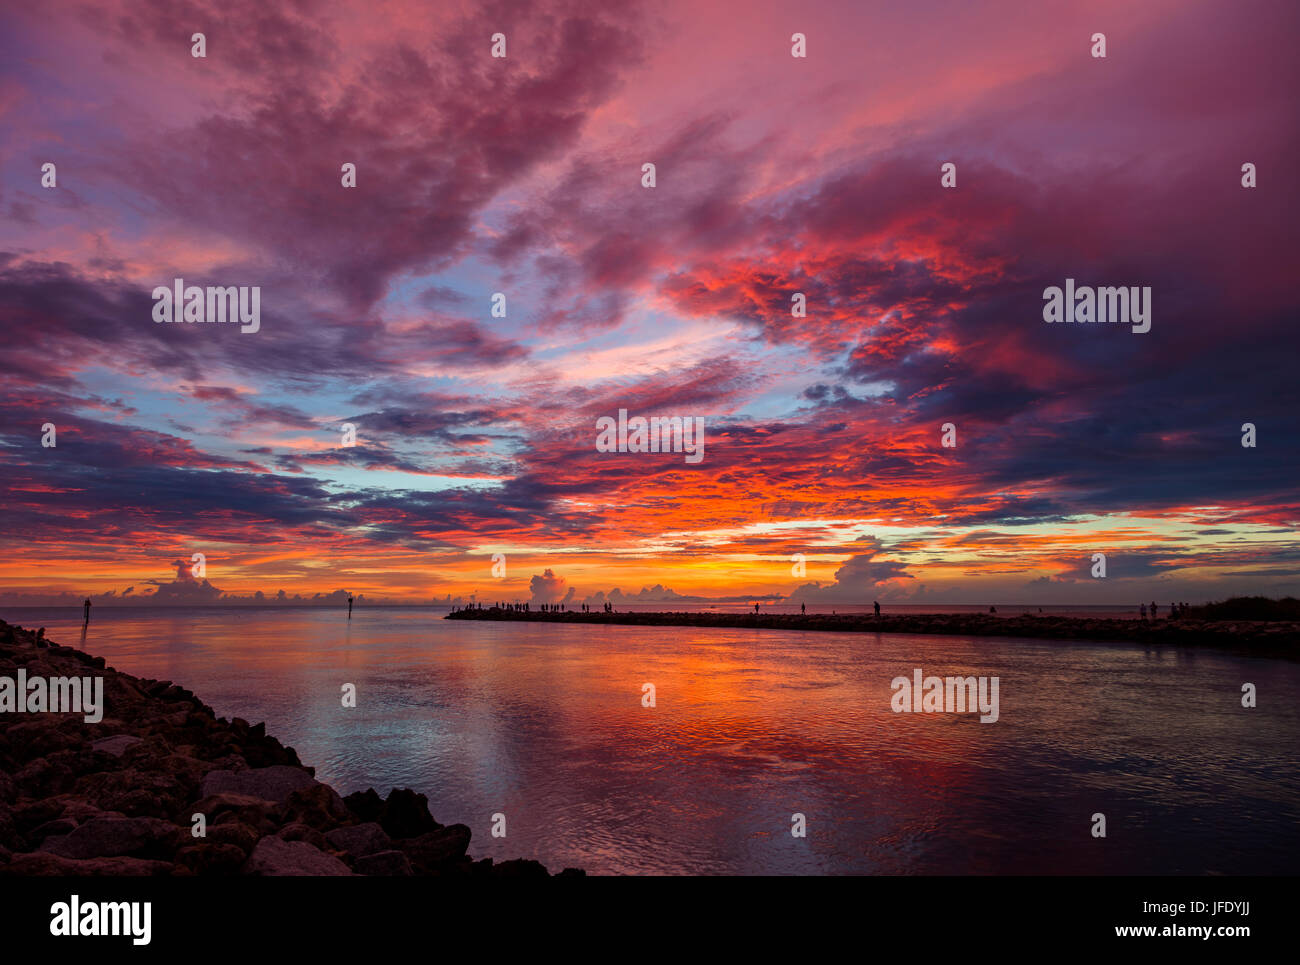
(545, 724)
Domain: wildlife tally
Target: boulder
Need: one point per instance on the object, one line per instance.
(44, 778)
(37, 738)
(435, 848)
(383, 864)
(273, 783)
(211, 858)
(59, 826)
(79, 812)
(303, 832)
(241, 836)
(115, 745)
(359, 840)
(32, 814)
(406, 814)
(137, 790)
(253, 811)
(367, 805)
(273, 857)
(110, 837)
(318, 806)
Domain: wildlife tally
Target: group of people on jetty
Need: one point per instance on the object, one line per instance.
(1176, 610)
(525, 607)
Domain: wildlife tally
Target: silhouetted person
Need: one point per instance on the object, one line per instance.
(1153, 609)
(875, 605)
(755, 607)
(803, 608)
(87, 609)
(1143, 610)
(349, 606)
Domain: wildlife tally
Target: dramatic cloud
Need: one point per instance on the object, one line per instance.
(549, 588)
(520, 177)
(857, 582)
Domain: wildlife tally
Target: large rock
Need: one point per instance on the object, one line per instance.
(111, 837)
(79, 812)
(273, 857)
(318, 806)
(303, 832)
(32, 814)
(242, 836)
(256, 812)
(43, 777)
(115, 745)
(359, 840)
(211, 858)
(367, 805)
(274, 783)
(59, 826)
(406, 814)
(32, 739)
(441, 847)
(138, 791)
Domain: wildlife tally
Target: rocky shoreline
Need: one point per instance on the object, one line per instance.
(1271, 638)
(118, 797)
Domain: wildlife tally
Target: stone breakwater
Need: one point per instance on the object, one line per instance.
(118, 797)
(1264, 638)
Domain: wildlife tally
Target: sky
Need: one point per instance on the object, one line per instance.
(824, 477)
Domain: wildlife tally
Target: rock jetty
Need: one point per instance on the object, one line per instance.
(118, 797)
(1273, 638)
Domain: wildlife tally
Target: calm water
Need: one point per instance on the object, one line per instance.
(545, 724)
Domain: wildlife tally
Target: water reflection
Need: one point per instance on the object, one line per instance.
(545, 724)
